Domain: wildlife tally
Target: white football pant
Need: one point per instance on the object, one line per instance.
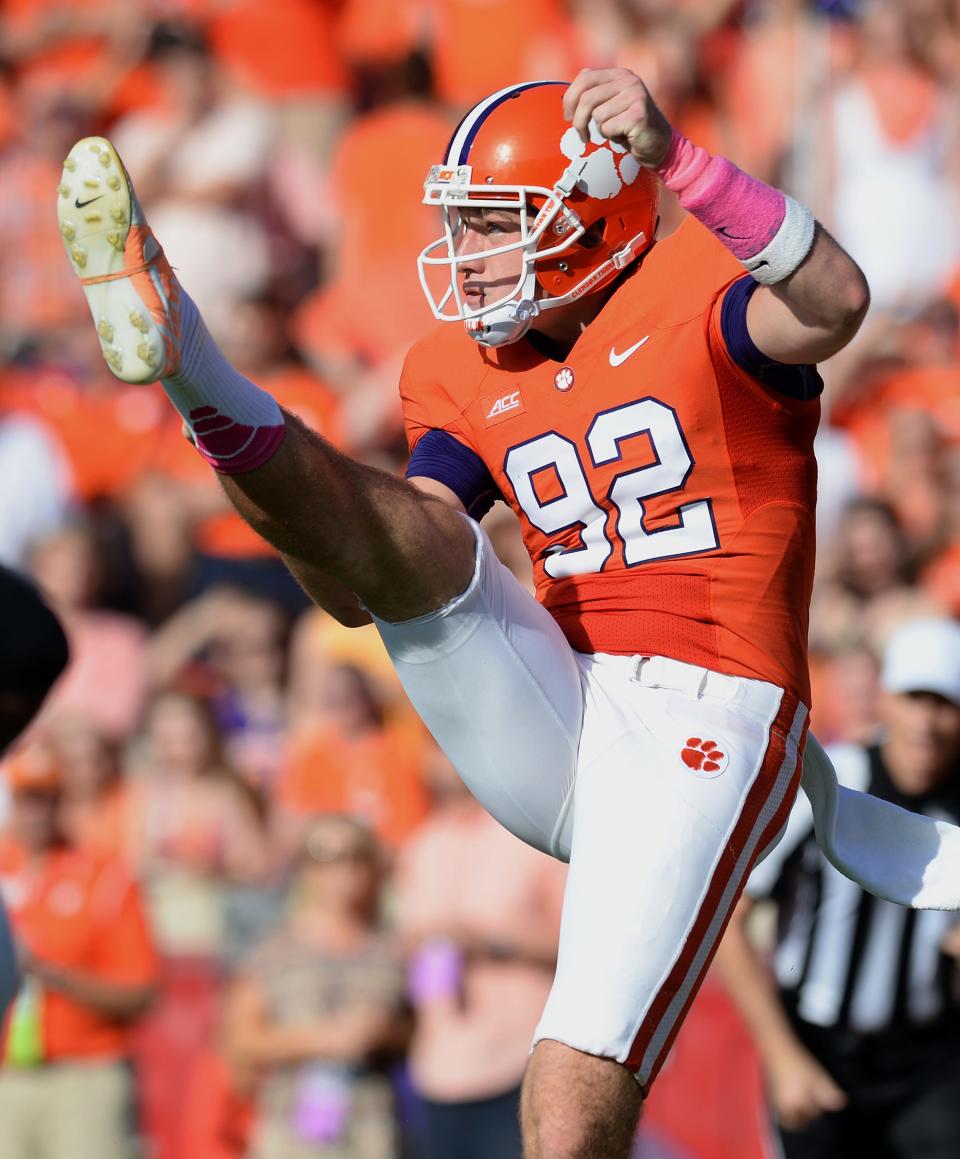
(660, 782)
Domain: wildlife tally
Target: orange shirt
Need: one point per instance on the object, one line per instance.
(535, 38)
(404, 140)
(280, 50)
(933, 389)
(109, 430)
(82, 913)
(376, 776)
(666, 498)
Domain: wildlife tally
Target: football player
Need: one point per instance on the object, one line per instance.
(648, 410)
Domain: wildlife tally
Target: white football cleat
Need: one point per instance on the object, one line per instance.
(131, 291)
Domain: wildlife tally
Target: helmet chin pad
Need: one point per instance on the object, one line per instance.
(503, 324)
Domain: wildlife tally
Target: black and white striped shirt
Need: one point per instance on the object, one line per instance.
(845, 958)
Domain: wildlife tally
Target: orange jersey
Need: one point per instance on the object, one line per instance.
(666, 497)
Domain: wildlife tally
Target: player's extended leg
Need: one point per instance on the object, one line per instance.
(486, 666)
(343, 527)
(495, 681)
(684, 778)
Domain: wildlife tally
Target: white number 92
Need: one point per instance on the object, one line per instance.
(695, 532)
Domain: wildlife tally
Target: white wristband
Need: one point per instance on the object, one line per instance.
(789, 246)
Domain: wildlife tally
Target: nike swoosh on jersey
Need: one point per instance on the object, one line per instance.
(616, 359)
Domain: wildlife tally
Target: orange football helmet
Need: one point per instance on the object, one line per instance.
(515, 150)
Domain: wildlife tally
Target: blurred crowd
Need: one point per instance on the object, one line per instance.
(332, 944)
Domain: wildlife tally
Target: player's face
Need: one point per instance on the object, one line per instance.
(485, 277)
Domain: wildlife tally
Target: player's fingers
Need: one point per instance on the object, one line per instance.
(587, 78)
(619, 115)
(589, 100)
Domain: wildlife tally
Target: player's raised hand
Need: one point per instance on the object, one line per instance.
(623, 109)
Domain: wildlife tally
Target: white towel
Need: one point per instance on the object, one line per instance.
(901, 856)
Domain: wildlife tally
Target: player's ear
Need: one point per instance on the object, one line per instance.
(594, 235)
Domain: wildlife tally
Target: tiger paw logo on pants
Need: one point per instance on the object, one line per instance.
(704, 757)
(609, 166)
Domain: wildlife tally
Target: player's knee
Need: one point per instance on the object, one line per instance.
(577, 1106)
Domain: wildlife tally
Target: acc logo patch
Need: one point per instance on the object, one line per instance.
(704, 757)
(497, 410)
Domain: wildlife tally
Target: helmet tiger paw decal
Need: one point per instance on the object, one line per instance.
(609, 166)
(704, 757)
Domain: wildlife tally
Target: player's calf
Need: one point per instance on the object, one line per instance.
(577, 1106)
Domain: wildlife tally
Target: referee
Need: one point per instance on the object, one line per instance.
(858, 1029)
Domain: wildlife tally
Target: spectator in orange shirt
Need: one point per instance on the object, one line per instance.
(353, 760)
(401, 132)
(90, 971)
(95, 797)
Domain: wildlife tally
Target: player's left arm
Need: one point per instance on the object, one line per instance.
(812, 297)
(813, 312)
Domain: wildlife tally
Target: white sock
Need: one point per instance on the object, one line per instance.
(234, 424)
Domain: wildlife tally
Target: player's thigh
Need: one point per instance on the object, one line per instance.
(676, 796)
(496, 683)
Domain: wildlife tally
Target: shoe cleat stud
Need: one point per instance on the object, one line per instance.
(106, 331)
(118, 215)
(114, 240)
(92, 218)
(79, 256)
(138, 322)
(147, 354)
(63, 190)
(94, 147)
(113, 359)
(70, 164)
(113, 181)
(91, 183)
(69, 230)
(105, 160)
